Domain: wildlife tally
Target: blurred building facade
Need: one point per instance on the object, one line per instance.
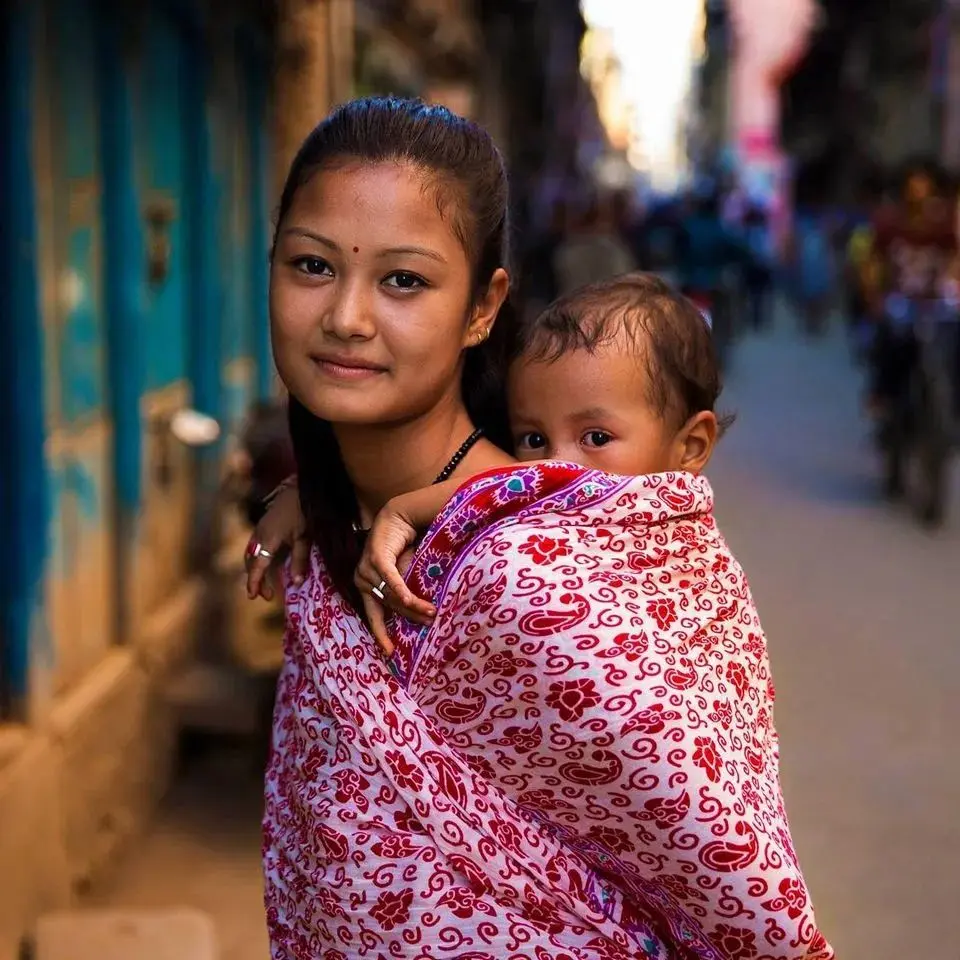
(879, 85)
(137, 147)
(545, 114)
(712, 134)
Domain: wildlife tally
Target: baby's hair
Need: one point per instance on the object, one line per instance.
(670, 334)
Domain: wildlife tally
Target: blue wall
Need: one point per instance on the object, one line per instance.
(124, 256)
(24, 506)
(130, 125)
(76, 161)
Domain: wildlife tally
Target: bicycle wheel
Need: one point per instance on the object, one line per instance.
(931, 443)
(894, 442)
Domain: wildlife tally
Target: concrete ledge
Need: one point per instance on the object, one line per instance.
(177, 934)
(85, 780)
(13, 739)
(116, 742)
(33, 870)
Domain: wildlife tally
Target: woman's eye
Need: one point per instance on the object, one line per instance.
(313, 266)
(401, 280)
(596, 438)
(531, 441)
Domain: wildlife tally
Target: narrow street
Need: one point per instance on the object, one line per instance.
(859, 607)
(859, 604)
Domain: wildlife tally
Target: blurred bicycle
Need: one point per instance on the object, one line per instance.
(919, 428)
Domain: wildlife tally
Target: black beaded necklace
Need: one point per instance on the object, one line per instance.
(447, 471)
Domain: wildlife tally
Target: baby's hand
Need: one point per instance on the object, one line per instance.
(390, 537)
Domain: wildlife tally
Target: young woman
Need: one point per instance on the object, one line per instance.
(538, 774)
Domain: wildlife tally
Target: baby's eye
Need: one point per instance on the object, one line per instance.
(531, 441)
(313, 266)
(596, 438)
(402, 280)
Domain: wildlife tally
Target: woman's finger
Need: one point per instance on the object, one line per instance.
(416, 614)
(365, 577)
(259, 558)
(378, 622)
(300, 560)
(413, 608)
(403, 598)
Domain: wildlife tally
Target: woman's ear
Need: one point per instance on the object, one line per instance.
(696, 440)
(486, 309)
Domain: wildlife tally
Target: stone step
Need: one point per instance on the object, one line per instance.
(172, 934)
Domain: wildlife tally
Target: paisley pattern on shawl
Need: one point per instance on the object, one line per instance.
(577, 760)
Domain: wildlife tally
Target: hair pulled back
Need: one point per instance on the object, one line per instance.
(472, 184)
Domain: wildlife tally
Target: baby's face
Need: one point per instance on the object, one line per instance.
(591, 409)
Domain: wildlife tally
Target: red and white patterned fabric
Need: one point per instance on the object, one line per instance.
(577, 760)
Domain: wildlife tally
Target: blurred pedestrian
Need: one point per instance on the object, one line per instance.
(539, 283)
(593, 250)
(758, 272)
(912, 257)
(813, 268)
(631, 226)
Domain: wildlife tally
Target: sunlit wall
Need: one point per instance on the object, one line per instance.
(656, 44)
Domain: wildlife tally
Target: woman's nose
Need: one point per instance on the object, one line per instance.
(349, 315)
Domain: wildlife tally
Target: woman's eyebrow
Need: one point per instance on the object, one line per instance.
(390, 251)
(310, 235)
(414, 251)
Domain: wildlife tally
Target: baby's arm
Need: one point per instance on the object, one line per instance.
(394, 531)
(421, 507)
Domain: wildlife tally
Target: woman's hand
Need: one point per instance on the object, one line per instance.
(280, 528)
(386, 551)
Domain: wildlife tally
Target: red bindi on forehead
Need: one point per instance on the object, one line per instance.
(356, 249)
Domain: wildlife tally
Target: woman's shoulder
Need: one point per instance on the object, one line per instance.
(555, 492)
(510, 491)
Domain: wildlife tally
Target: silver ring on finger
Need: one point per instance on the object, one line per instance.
(379, 590)
(261, 551)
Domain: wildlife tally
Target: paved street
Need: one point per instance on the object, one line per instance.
(858, 605)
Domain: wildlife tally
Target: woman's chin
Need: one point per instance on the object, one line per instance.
(350, 411)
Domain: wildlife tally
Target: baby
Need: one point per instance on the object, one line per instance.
(620, 376)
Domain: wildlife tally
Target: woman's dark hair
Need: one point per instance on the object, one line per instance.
(471, 185)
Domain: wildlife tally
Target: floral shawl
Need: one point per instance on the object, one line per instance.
(577, 760)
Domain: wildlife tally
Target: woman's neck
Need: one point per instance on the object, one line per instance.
(384, 462)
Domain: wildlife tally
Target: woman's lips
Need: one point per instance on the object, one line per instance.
(343, 369)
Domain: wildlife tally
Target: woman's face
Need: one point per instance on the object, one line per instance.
(370, 299)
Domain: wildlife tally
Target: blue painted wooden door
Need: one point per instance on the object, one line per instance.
(80, 430)
(168, 175)
(164, 174)
(23, 475)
